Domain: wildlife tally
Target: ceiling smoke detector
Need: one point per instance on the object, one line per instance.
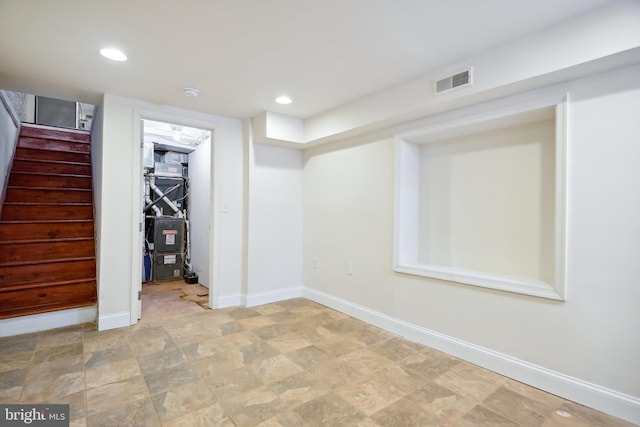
(190, 92)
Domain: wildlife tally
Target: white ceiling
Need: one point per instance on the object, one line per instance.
(241, 54)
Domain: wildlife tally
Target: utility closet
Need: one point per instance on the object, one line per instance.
(166, 206)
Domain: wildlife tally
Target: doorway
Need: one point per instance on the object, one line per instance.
(175, 213)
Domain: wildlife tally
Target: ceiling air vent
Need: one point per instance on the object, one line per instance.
(455, 81)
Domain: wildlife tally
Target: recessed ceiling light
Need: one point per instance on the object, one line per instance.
(113, 54)
(284, 100)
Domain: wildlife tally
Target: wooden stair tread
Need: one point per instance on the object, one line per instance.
(55, 240)
(47, 132)
(48, 204)
(58, 162)
(46, 261)
(32, 285)
(66, 175)
(44, 221)
(22, 187)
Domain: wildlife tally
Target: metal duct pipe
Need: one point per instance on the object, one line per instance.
(166, 199)
(147, 197)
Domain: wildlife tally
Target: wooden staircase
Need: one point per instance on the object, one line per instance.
(47, 242)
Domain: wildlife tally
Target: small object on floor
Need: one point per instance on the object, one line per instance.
(191, 278)
(203, 295)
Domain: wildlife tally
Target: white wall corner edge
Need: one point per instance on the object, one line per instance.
(114, 321)
(253, 300)
(45, 321)
(600, 398)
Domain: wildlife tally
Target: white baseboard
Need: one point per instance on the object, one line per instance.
(600, 398)
(254, 300)
(225, 301)
(47, 321)
(114, 321)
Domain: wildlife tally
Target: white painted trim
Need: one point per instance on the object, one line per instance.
(115, 320)
(600, 398)
(224, 301)
(47, 321)
(253, 300)
(523, 108)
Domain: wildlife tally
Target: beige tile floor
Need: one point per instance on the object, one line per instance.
(293, 363)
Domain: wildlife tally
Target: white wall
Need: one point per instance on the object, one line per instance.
(274, 266)
(585, 348)
(487, 201)
(611, 31)
(200, 210)
(119, 195)
(9, 129)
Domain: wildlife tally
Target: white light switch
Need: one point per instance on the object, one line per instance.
(350, 268)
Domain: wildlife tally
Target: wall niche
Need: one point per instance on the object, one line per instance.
(480, 199)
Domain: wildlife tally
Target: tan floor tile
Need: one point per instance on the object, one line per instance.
(440, 401)
(284, 419)
(309, 356)
(256, 322)
(233, 383)
(102, 340)
(329, 410)
(131, 414)
(481, 416)
(115, 395)
(63, 336)
(48, 354)
(169, 378)
(366, 361)
(369, 396)
(151, 345)
(393, 349)
(11, 395)
(511, 405)
(337, 347)
(182, 400)
(217, 364)
(292, 363)
(336, 373)
(298, 389)
(398, 377)
(430, 364)
(405, 413)
(470, 381)
(275, 368)
(253, 407)
(288, 342)
(275, 330)
(257, 351)
(112, 372)
(150, 363)
(209, 416)
(82, 422)
(50, 380)
(571, 414)
(12, 379)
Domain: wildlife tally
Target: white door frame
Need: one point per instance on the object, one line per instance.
(136, 241)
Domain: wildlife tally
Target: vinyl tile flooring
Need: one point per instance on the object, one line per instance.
(291, 363)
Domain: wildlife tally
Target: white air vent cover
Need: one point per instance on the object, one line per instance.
(455, 81)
